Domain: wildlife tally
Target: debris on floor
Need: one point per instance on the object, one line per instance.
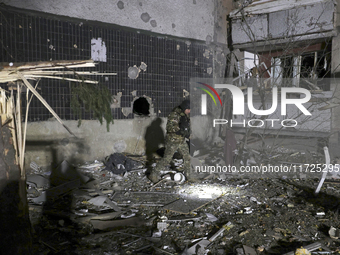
(118, 163)
(112, 208)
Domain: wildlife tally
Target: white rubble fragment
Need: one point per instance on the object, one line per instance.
(211, 217)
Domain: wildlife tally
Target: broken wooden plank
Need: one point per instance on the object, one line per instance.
(40, 72)
(56, 64)
(32, 76)
(42, 100)
(11, 71)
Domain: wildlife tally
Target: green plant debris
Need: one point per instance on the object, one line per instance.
(95, 99)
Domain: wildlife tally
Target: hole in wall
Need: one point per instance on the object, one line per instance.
(141, 106)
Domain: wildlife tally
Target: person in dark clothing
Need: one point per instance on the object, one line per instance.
(178, 131)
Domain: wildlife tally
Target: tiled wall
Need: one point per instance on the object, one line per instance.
(171, 62)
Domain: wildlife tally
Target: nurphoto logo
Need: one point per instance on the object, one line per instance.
(239, 104)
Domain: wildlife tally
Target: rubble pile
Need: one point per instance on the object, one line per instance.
(100, 208)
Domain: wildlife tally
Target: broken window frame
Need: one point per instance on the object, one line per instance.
(299, 70)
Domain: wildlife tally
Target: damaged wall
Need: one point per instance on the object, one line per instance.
(178, 18)
(49, 143)
(147, 64)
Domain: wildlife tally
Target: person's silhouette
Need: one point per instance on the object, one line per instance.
(154, 137)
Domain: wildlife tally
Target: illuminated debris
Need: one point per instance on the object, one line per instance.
(183, 215)
(334, 233)
(305, 250)
(204, 243)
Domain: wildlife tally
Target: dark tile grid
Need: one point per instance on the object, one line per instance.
(170, 63)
